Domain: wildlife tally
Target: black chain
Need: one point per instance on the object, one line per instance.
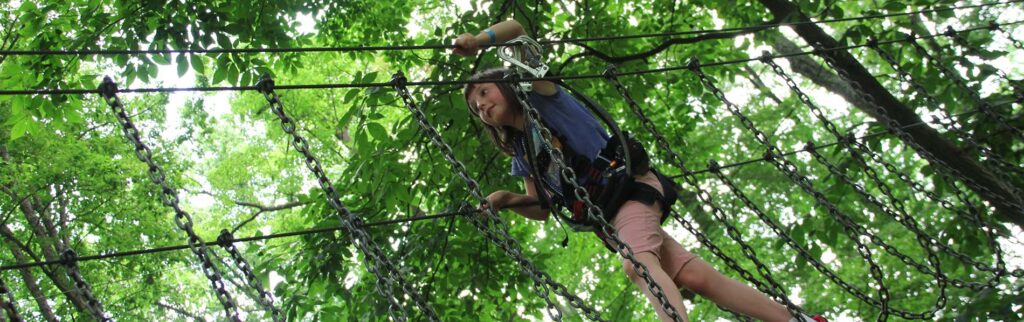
(499, 233)
(7, 302)
(949, 123)
(774, 156)
(593, 211)
(952, 125)
(1009, 36)
(169, 197)
(983, 105)
(70, 261)
(781, 232)
(905, 137)
(776, 290)
(856, 149)
(376, 263)
(266, 299)
(892, 126)
(1018, 92)
(895, 128)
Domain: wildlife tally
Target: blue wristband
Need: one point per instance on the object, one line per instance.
(491, 35)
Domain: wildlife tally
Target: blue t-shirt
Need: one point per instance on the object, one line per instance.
(566, 117)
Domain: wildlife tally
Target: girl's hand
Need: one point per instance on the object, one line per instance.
(497, 199)
(466, 45)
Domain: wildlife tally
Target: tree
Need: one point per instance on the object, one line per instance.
(69, 180)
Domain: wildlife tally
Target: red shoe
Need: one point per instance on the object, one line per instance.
(819, 318)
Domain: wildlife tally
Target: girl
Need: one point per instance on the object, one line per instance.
(637, 220)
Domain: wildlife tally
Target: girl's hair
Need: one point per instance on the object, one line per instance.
(501, 136)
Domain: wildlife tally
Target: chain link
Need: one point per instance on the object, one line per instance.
(1009, 36)
(986, 109)
(266, 299)
(1017, 203)
(894, 127)
(169, 197)
(776, 290)
(856, 148)
(983, 105)
(775, 227)
(70, 261)
(7, 302)
(376, 263)
(1018, 92)
(774, 156)
(499, 234)
(1002, 165)
(593, 211)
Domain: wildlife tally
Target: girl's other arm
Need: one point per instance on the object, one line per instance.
(468, 44)
(506, 199)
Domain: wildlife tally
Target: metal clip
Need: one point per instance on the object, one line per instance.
(525, 57)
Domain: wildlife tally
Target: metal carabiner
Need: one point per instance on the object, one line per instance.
(525, 57)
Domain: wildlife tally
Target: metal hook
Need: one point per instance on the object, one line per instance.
(525, 56)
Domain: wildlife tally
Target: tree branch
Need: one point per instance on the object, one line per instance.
(179, 310)
(590, 51)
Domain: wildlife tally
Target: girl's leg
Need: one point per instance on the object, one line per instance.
(668, 286)
(701, 278)
(638, 226)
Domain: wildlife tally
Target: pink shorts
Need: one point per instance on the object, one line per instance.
(639, 226)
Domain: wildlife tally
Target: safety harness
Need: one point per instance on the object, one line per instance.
(607, 178)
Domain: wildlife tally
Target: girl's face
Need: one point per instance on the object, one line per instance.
(487, 102)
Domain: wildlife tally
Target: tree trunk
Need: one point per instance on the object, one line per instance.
(817, 73)
(49, 243)
(998, 193)
(30, 284)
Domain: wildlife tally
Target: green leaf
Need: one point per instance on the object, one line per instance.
(197, 64)
(162, 59)
(377, 131)
(219, 74)
(182, 65)
(223, 41)
(369, 78)
(894, 6)
(20, 129)
(351, 95)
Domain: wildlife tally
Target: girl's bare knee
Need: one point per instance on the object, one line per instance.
(698, 276)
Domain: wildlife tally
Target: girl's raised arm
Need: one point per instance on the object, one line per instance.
(468, 44)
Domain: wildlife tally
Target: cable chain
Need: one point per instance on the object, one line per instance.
(1009, 36)
(593, 211)
(505, 241)
(715, 169)
(774, 155)
(376, 263)
(705, 197)
(227, 240)
(952, 125)
(1018, 92)
(984, 106)
(169, 197)
(922, 238)
(70, 261)
(7, 302)
(895, 128)
(855, 148)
